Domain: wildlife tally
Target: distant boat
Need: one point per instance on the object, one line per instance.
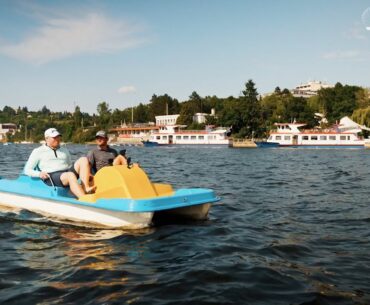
(150, 143)
(342, 135)
(175, 135)
(266, 144)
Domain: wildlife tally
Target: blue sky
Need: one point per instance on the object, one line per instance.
(67, 53)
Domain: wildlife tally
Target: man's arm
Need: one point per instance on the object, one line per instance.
(91, 157)
(33, 161)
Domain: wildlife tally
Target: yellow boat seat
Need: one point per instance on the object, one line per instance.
(119, 181)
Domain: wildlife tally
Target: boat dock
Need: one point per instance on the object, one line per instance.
(242, 143)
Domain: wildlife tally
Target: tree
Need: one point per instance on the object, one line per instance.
(9, 111)
(186, 114)
(45, 110)
(159, 105)
(104, 115)
(77, 117)
(250, 111)
(339, 101)
(142, 113)
(197, 102)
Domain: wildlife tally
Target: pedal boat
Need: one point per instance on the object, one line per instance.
(124, 198)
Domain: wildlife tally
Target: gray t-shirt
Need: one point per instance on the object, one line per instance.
(99, 158)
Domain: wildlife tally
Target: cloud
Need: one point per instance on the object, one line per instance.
(60, 37)
(351, 54)
(357, 32)
(126, 89)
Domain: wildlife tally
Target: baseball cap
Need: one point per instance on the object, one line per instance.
(101, 133)
(51, 133)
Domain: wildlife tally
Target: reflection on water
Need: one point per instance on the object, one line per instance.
(292, 228)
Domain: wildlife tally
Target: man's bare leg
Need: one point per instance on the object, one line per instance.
(69, 178)
(82, 167)
(120, 160)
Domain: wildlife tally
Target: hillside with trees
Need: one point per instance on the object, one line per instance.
(249, 114)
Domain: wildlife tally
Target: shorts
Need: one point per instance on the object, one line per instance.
(55, 177)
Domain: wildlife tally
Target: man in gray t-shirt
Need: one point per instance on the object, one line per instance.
(103, 155)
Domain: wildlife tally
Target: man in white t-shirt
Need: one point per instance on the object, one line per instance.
(53, 164)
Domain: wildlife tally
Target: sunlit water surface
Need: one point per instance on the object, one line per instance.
(293, 227)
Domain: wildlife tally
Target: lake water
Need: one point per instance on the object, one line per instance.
(293, 227)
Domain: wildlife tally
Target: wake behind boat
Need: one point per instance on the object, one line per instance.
(124, 198)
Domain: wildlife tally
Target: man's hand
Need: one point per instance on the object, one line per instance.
(44, 175)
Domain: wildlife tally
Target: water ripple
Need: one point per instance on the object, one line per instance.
(292, 228)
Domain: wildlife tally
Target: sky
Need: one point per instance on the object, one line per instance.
(64, 54)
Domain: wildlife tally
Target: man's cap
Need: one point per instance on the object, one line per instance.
(101, 134)
(51, 133)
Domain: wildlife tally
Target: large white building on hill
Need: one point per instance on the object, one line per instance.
(309, 89)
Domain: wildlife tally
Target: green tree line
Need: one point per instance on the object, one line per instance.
(248, 115)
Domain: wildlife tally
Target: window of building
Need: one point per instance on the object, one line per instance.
(287, 138)
(164, 137)
(277, 137)
(343, 138)
(305, 138)
(186, 138)
(193, 137)
(332, 138)
(313, 138)
(178, 137)
(323, 138)
(201, 137)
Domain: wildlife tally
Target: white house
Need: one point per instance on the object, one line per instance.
(5, 128)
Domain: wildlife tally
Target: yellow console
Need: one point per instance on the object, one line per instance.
(119, 181)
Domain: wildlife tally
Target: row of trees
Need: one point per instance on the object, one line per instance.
(249, 115)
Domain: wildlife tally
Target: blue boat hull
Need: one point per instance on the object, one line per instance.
(150, 143)
(34, 195)
(264, 144)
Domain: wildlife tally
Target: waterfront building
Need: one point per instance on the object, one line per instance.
(7, 128)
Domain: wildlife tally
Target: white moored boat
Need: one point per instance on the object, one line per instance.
(173, 134)
(342, 135)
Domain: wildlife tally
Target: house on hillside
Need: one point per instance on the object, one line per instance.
(7, 128)
(309, 89)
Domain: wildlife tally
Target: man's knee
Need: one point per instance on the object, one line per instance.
(67, 178)
(120, 160)
(84, 160)
(81, 162)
